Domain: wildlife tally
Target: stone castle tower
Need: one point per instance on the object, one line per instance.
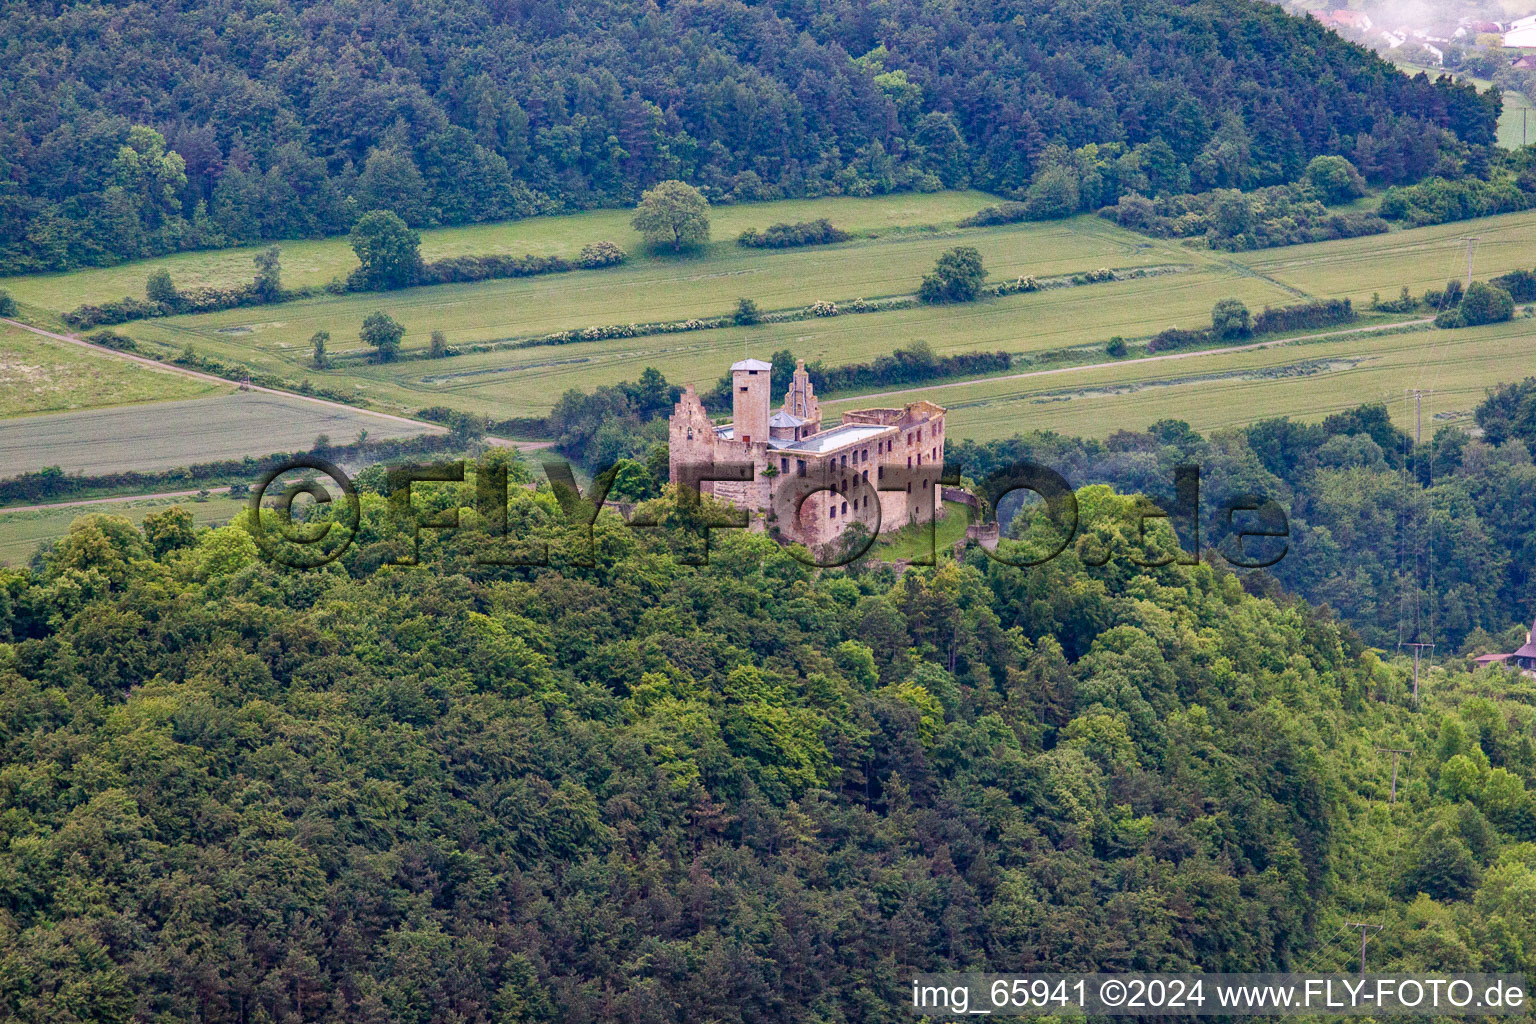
(853, 463)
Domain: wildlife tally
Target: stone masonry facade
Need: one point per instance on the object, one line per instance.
(878, 467)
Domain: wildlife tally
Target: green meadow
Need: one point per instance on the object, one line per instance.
(896, 241)
(39, 375)
(22, 533)
(523, 381)
(1420, 258)
(1305, 381)
(314, 262)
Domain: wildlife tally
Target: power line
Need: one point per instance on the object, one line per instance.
(1365, 929)
(1395, 754)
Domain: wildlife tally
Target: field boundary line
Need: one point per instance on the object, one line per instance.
(1272, 343)
(155, 364)
(79, 502)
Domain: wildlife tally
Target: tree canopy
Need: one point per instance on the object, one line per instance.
(742, 791)
(957, 276)
(294, 120)
(381, 333)
(673, 213)
(389, 251)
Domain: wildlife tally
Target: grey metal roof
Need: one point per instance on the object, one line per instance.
(751, 364)
(837, 437)
(784, 419)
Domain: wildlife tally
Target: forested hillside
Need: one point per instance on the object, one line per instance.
(1429, 542)
(144, 127)
(748, 791)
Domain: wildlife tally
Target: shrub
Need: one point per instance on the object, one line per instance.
(821, 308)
(1486, 304)
(1231, 319)
(1404, 303)
(1323, 313)
(1334, 179)
(459, 269)
(1116, 347)
(600, 254)
(1006, 213)
(160, 289)
(788, 236)
(7, 304)
(438, 347)
(113, 340)
(1023, 284)
(1177, 337)
(1394, 205)
(1521, 285)
(956, 277)
(1053, 194)
(1444, 299)
(1234, 221)
(747, 313)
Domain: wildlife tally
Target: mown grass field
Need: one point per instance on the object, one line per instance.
(312, 263)
(1517, 123)
(901, 237)
(527, 381)
(1420, 258)
(1306, 381)
(180, 433)
(22, 533)
(523, 382)
(38, 375)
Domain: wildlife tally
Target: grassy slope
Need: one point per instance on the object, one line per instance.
(309, 263)
(38, 375)
(1305, 381)
(1420, 258)
(183, 433)
(526, 381)
(275, 338)
(911, 542)
(22, 532)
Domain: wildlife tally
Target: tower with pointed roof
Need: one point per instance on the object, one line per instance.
(878, 467)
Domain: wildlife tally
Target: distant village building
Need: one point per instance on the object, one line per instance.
(1521, 35)
(1357, 20)
(852, 460)
(1526, 63)
(1524, 659)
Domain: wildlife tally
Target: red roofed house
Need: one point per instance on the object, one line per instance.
(1347, 19)
(1524, 659)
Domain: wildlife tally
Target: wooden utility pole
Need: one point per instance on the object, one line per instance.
(1471, 239)
(1395, 754)
(1417, 649)
(1417, 394)
(1365, 929)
